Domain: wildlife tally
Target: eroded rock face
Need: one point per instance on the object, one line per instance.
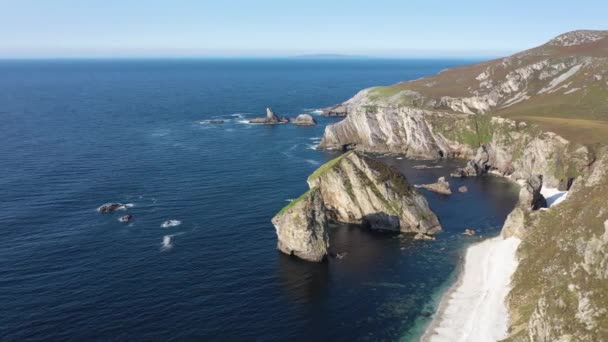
(386, 129)
(304, 120)
(337, 110)
(301, 227)
(357, 189)
(530, 200)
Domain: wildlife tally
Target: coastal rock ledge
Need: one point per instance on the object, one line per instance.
(352, 189)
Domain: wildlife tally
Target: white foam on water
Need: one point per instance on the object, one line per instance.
(289, 200)
(475, 309)
(171, 223)
(312, 162)
(312, 147)
(317, 112)
(316, 138)
(167, 242)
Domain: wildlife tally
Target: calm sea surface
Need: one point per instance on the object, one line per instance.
(77, 134)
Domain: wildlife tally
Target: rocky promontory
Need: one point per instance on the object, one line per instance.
(353, 189)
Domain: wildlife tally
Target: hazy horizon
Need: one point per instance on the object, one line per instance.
(264, 29)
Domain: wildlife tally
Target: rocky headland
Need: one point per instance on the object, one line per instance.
(353, 189)
(539, 118)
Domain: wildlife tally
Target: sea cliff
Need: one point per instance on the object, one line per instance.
(526, 117)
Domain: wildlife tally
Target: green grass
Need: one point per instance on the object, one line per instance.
(294, 202)
(325, 167)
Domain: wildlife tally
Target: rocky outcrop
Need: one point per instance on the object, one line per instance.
(559, 289)
(530, 200)
(358, 189)
(111, 207)
(125, 218)
(441, 186)
(337, 110)
(304, 120)
(270, 119)
(301, 227)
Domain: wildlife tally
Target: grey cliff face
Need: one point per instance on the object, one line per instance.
(522, 216)
(302, 228)
(357, 189)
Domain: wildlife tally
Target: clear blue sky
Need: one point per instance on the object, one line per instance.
(154, 28)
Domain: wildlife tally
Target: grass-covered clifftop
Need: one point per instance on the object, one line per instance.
(560, 289)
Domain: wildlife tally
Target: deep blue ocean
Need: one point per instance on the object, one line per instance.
(75, 134)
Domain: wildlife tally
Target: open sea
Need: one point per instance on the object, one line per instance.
(75, 134)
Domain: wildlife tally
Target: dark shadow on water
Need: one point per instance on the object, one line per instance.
(301, 280)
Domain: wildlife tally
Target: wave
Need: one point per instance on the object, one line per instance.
(170, 223)
(167, 242)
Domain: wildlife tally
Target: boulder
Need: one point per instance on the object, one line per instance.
(441, 187)
(126, 218)
(463, 189)
(301, 227)
(304, 120)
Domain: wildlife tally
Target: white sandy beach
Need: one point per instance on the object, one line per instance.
(474, 308)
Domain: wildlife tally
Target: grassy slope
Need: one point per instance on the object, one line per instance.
(562, 231)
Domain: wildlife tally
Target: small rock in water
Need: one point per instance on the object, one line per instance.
(215, 121)
(126, 218)
(426, 314)
(421, 236)
(110, 207)
(171, 223)
(304, 120)
(463, 189)
(469, 232)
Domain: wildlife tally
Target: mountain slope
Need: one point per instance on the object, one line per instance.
(565, 78)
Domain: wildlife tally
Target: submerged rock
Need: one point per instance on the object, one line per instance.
(270, 119)
(421, 236)
(304, 120)
(469, 232)
(301, 227)
(110, 207)
(361, 190)
(463, 189)
(441, 187)
(126, 218)
(215, 121)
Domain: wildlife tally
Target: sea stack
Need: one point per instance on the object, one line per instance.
(270, 119)
(301, 227)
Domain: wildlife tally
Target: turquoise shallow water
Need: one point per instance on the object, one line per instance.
(77, 134)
